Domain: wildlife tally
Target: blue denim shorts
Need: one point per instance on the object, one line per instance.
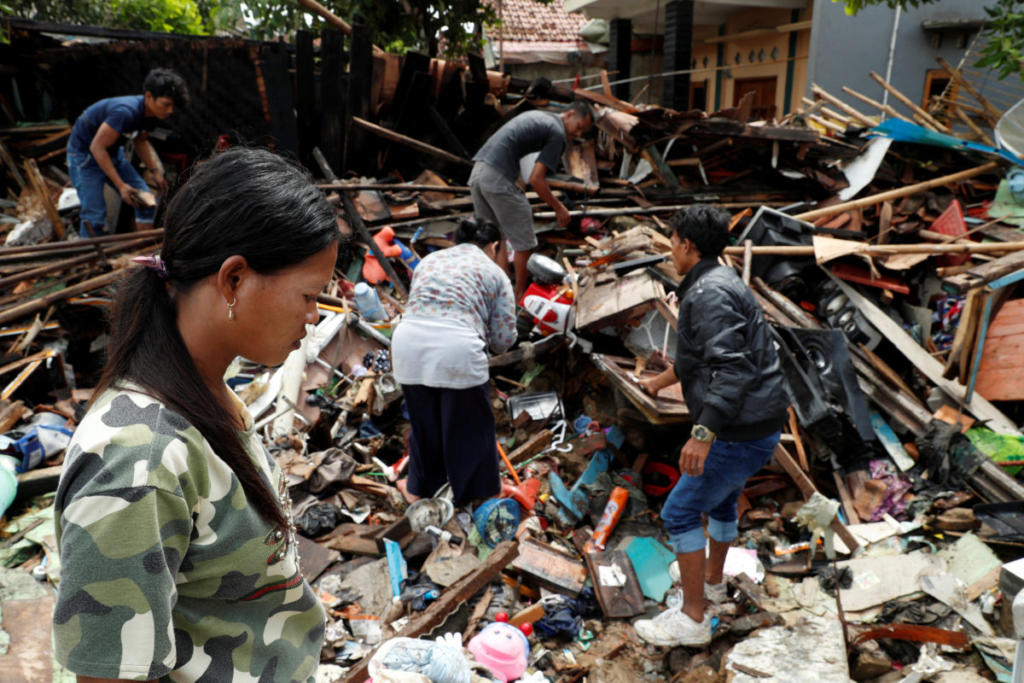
(728, 466)
(89, 179)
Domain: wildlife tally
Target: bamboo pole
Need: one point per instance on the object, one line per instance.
(463, 189)
(82, 243)
(886, 249)
(897, 193)
(841, 106)
(43, 302)
(924, 116)
(973, 126)
(992, 113)
(884, 108)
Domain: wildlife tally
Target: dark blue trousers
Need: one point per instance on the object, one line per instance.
(452, 439)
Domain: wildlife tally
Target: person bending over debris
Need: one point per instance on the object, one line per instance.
(733, 384)
(460, 303)
(99, 129)
(179, 554)
(492, 181)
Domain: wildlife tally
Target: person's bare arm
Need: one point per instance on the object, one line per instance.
(151, 160)
(539, 183)
(105, 137)
(652, 385)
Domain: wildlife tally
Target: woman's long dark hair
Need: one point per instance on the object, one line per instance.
(478, 231)
(243, 201)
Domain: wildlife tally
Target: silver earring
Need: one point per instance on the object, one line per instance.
(231, 308)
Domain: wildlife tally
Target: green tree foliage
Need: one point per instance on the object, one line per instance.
(432, 26)
(1004, 31)
(167, 16)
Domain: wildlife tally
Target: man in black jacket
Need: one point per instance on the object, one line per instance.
(736, 394)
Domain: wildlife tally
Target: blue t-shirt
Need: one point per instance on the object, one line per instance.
(125, 114)
(534, 131)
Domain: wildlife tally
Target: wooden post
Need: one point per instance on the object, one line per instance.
(39, 185)
(898, 193)
(807, 488)
(924, 116)
(9, 161)
(305, 98)
(332, 102)
(357, 222)
(748, 259)
(360, 79)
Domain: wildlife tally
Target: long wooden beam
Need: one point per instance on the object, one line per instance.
(885, 108)
(448, 603)
(413, 143)
(897, 193)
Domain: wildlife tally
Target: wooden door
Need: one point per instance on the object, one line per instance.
(764, 96)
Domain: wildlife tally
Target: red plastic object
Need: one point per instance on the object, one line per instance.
(669, 473)
(952, 223)
(502, 617)
(546, 292)
(527, 628)
(385, 239)
(845, 271)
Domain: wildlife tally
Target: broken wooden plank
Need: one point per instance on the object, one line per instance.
(391, 135)
(924, 361)
(35, 179)
(991, 112)
(550, 567)
(456, 594)
(984, 273)
(615, 584)
(534, 445)
(807, 488)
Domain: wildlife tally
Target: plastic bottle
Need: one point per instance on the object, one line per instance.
(612, 513)
(368, 302)
(8, 482)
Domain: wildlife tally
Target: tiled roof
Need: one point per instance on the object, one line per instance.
(530, 20)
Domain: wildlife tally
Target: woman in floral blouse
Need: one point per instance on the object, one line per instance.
(460, 305)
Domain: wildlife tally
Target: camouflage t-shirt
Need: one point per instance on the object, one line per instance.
(167, 572)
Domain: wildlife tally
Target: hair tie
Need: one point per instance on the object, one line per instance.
(154, 263)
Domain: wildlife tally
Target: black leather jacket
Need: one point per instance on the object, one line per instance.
(725, 357)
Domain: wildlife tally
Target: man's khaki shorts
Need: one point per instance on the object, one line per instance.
(497, 199)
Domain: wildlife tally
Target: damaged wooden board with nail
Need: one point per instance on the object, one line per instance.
(550, 567)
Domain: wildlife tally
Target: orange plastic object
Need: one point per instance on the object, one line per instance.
(385, 239)
(609, 518)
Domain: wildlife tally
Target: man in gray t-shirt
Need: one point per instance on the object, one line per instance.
(492, 182)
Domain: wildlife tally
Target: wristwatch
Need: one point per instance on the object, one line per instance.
(702, 433)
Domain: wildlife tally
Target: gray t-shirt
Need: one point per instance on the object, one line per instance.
(530, 132)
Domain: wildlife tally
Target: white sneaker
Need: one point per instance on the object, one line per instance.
(715, 593)
(672, 628)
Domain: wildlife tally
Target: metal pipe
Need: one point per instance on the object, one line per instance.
(892, 57)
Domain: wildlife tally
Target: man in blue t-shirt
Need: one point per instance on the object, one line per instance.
(99, 129)
(492, 182)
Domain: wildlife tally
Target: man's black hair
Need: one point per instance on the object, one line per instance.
(166, 83)
(705, 225)
(583, 110)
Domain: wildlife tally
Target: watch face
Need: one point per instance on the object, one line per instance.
(701, 433)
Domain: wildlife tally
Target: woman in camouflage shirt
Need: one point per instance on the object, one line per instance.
(177, 547)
